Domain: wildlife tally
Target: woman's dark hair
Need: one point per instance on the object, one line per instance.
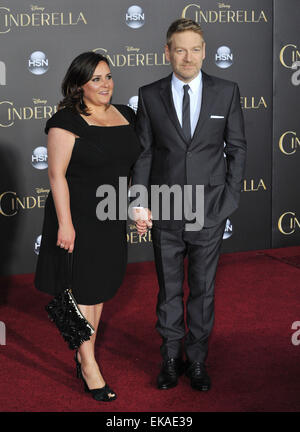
(80, 72)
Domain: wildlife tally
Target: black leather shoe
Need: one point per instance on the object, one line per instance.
(169, 373)
(197, 373)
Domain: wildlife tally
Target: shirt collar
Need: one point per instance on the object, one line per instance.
(194, 84)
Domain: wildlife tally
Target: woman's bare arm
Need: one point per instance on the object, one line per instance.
(60, 147)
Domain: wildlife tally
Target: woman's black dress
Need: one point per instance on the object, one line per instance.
(100, 156)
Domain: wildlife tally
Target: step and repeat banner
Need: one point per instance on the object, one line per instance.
(286, 148)
(252, 42)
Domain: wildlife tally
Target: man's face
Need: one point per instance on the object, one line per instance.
(186, 54)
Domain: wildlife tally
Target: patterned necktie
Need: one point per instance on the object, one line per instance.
(186, 122)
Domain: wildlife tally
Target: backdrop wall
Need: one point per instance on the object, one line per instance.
(286, 130)
(253, 42)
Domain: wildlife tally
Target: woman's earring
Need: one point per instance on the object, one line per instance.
(81, 98)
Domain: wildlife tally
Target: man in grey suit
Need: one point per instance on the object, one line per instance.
(183, 121)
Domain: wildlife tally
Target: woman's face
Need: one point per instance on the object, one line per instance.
(99, 89)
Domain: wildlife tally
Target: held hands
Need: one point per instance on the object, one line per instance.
(142, 217)
(66, 237)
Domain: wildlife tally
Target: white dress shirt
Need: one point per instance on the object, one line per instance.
(195, 92)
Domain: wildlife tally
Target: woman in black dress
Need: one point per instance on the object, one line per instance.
(90, 143)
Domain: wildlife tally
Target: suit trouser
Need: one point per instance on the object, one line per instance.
(202, 249)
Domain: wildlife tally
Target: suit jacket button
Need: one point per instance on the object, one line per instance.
(189, 153)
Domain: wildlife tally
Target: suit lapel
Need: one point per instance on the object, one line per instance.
(208, 98)
(167, 98)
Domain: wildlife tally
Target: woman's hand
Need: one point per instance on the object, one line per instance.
(66, 237)
(142, 225)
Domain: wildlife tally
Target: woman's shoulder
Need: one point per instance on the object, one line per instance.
(64, 118)
(127, 112)
(64, 114)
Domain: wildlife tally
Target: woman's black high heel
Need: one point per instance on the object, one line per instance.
(100, 394)
(78, 365)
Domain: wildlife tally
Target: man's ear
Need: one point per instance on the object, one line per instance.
(204, 49)
(167, 53)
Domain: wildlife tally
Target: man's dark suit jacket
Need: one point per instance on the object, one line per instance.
(168, 159)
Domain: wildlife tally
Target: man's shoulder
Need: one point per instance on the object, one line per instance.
(220, 82)
(156, 85)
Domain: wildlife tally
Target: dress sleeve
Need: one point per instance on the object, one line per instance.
(128, 113)
(64, 119)
(132, 116)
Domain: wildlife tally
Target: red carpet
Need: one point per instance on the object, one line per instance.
(252, 362)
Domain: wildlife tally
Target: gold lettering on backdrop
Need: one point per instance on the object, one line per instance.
(140, 60)
(223, 5)
(131, 48)
(253, 102)
(2, 197)
(39, 101)
(20, 204)
(45, 20)
(14, 203)
(41, 201)
(131, 58)
(290, 222)
(42, 190)
(9, 123)
(134, 58)
(133, 237)
(288, 54)
(222, 15)
(39, 111)
(37, 8)
(38, 18)
(289, 146)
(3, 12)
(253, 186)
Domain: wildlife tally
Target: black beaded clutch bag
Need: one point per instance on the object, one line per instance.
(64, 312)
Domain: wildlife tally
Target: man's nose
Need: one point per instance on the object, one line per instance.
(188, 56)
